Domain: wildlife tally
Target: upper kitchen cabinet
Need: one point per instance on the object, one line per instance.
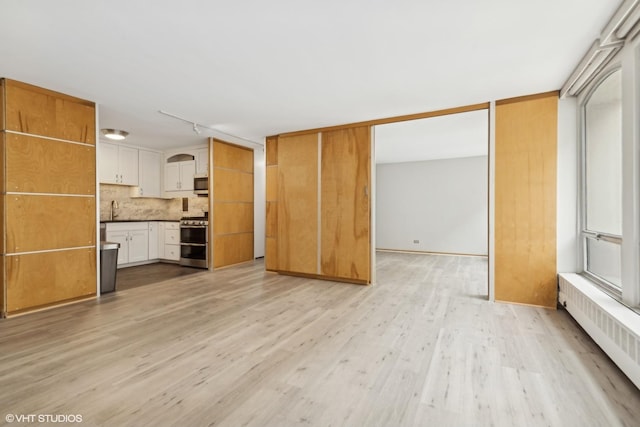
(202, 161)
(32, 110)
(149, 174)
(118, 164)
(178, 173)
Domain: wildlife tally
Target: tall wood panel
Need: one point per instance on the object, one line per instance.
(525, 200)
(271, 226)
(345, 211)
(232, 204)
(48, 197)
(297, 242)
(41, 279)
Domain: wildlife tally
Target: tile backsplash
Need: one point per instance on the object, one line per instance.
(137, 208)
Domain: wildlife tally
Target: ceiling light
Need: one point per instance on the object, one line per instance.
(196, 129)
(115, 134)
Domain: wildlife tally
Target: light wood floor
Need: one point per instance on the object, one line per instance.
(150, 274)
(239, 346)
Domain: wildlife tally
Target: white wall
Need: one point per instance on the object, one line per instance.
(567, 195)
(441, 203)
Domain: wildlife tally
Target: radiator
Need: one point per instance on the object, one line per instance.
(614, 327)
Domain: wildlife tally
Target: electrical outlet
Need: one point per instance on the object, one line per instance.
(416, 241)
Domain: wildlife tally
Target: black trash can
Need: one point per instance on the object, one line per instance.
(108, 266)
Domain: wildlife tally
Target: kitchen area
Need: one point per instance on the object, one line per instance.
(154, 206)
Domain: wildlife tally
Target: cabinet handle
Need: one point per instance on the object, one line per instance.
(121, 180)
(116, 177)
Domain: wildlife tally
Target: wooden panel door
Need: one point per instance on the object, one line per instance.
(525, 200)
(345, 206)
(232, 204)
(297, 243)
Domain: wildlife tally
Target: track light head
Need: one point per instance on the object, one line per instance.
(196, 129)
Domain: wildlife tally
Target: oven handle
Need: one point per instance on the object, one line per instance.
(193, 226)
(193, 244)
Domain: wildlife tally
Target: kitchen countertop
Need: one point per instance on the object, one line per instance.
(139, 220)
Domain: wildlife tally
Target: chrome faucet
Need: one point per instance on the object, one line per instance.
(114, 205)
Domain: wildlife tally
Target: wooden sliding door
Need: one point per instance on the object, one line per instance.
(345, 231)
(298, 204)
(322, 226)
(232, 204)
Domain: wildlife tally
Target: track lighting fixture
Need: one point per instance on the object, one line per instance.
(196, 129)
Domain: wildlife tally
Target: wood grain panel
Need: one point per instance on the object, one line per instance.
(345, 186)
(45, 278)
(36, 223)
(231, 156)
(37, 165)
(2, 107)
(271, 229)
(3, 196)
(3, 308)
(298, 203)
(230, 217)
(272, 150)
(525, 201)
(232, 249)
(38, 111)
(232, 186)
(271, 254)
(272, 184)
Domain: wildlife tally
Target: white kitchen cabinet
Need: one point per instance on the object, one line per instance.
(153, 239)
(118, 164)
(202, 161)
(133, 238)
(172, 241)
(178, 176)
(149, 174)
(160, 246)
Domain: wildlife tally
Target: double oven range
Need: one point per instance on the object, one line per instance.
(194, 239)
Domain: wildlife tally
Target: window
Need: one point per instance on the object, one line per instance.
(602, 182)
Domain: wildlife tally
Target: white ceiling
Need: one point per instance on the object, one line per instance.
(442, 137)
(256, 68)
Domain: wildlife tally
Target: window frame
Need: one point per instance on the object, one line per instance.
(627, 60)
(584, 232)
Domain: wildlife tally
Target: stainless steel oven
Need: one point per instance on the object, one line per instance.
(194, 238)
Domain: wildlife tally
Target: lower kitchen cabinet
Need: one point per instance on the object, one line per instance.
(154, 233)
(172, 241)
(133, 238)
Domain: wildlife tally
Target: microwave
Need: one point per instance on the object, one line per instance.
(201, 185)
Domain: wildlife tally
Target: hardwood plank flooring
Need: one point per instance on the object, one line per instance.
(149, 274)
(241, 347)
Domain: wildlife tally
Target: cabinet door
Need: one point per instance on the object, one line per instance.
(187, 171)
(202, 161)
(298, 204)
(149, 173)
(128, 165)
(172, 177)
(172, 252)
(153, 240)
(108, 163)
(138, 245)
(345, 208)
(160, 240)
(121, 237)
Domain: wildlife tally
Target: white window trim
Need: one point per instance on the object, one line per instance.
(628, 60)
